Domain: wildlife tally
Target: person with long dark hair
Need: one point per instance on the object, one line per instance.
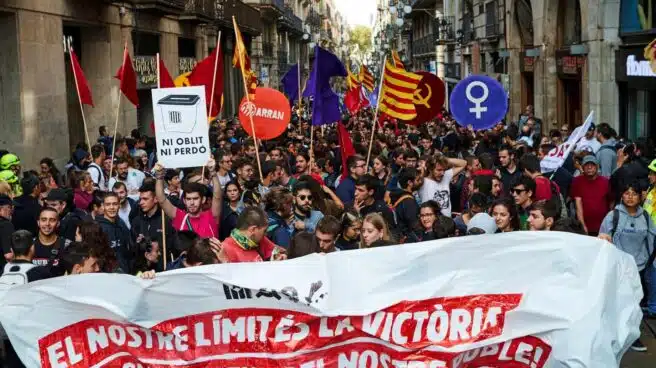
(504, 212)
(50, 174)
(349, 238)
(231, 209)
(428, 215)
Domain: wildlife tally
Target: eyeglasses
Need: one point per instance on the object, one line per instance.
(304, 197)
(518, 191)
(359, 166)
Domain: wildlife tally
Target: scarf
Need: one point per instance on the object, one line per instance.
(242, 240)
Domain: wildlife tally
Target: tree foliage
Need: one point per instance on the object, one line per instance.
(360, 41)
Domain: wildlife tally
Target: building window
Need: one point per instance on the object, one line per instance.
(145, 43)
(569, 30)
(524, 17)
(637, 16)
(186, 47)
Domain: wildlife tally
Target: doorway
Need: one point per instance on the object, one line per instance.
(528, 90)
(569, 101)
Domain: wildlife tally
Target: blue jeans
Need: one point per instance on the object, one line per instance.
(650, 278)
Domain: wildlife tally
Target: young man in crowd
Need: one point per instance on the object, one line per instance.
(117, 231)
(305, 218)
(508, 170)
(346, 188)
(437, 182)
(592, 196)
(271, 174)
(522, 191)
(365, 202)
(129, 208)
(544, 188)
(48, 245)
(173, 190)
(322, 240)
(70, 217)
(193, 218)
(247, 242)
(542, 215)
(26, 213)
(148, 221)
(244, 168)
(607, 154)
(132, 178)
(403, 203)
(279, 207)
(224, 159)
(95, 169)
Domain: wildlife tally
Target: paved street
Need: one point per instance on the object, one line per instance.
(642, 360)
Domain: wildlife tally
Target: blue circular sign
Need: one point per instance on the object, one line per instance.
(479, 101)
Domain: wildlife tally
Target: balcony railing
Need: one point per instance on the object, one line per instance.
(283, 65)
(313, 19)
(247, 16)
(467, 29)
(423, 45)
(443, 30)
(279, 5)
(175, 7)
(491, 21)
(199, 11)
(267, 49)
(290, 21)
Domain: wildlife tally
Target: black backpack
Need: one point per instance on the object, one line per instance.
(616, 221)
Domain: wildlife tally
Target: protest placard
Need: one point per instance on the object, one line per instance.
(556, 157)
(451, 303)
(181, 127)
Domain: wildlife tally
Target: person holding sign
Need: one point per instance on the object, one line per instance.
(203, 223)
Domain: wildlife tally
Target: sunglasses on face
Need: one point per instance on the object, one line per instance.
(304, 197)
(518, 191)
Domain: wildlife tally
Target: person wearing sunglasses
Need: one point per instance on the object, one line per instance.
(522, 192)
(305, 218)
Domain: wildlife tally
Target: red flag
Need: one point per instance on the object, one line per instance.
(352, 100)
(203, 74)
(165, 80)
(128, 79)
(345, 147)
(80, 81)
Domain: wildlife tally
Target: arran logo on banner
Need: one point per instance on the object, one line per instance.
(269, 112)
(405, 332)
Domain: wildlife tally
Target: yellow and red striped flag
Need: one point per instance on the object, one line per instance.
(397, 60)
(351, 80)
(241, 60)
(398, 89)
(366, 78)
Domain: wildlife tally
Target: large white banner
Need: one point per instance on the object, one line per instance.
(519, 300)
(556, 157)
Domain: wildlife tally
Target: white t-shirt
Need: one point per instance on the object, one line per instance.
(440, 192)
(97, 176)
(591, 145)
(133, 182)
(124, 213)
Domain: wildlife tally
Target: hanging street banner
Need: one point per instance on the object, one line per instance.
(479, 101)
(556, 157)
(181, 127)
(270, 112)
(450, 303)
(428, 98)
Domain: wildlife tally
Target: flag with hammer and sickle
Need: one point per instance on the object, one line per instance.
(428, 98)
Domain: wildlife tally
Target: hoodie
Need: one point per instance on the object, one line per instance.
(633, 235)
(119, 240)
(71, 221)
(607, 156)
(279, 231)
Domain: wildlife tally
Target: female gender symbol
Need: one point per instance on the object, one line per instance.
(477, 109)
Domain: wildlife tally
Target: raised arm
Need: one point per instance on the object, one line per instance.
(167, 206)
(457, 165)
(217, 194)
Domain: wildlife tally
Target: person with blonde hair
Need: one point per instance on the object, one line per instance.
(375, 232)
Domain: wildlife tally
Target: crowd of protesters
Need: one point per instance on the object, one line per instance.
(414, 184)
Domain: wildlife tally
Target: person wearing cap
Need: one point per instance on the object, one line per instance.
(6, 227)
(588, 142)
(11, 162)
(592, 195)
(481, 223)
(10, 178)
(27, 210)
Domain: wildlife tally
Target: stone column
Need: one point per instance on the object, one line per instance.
(10, 98)
(43, 90)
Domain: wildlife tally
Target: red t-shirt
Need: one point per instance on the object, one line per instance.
(543, 188)
(595, 195)
(205, 225)
(237, 254)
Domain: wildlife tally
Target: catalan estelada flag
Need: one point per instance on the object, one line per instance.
(397, 92)
(241, 60)
(397, 60)
(366, 78)
(351, 80)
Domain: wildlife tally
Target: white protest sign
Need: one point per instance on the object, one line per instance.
(450, 303)
(556, 157)
(181, 127)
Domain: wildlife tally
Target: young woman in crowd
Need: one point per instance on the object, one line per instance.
(381, 169)
(50, 174)
(91, 233)
(148, 257)
(83, 189)
(95, 208)
(505, 215)
(351, 229)
(230, 210)
(428, 215)
(374, 231)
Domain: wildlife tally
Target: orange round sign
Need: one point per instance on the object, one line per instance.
(269, 110)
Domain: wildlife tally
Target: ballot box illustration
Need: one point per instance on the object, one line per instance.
(179, 112)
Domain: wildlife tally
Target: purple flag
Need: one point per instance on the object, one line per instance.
(290, 84)
(325, 103)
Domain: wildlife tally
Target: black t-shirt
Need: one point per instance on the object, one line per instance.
(379, 207)
(48, 254)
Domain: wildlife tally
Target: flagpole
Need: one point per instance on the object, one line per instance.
(159, 85)
(375, 123)
(248, 98)
(216, 65)
(300, 92)
(118, 114)
(79, 99)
